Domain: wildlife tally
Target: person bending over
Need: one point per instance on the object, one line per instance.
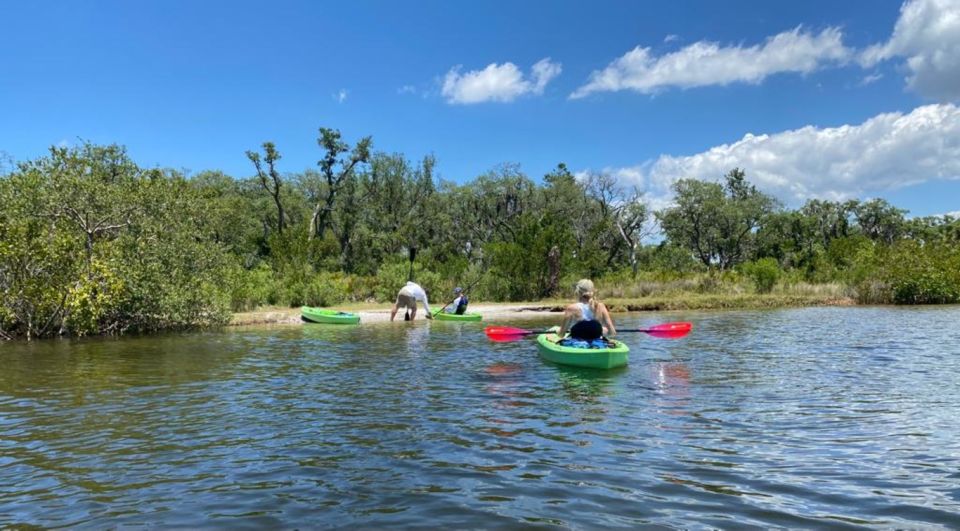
(407, 298)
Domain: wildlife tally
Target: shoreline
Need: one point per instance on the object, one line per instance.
(380, 313)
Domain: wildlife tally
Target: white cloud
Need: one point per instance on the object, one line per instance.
(872, 78)
(341, 95)
(543, 72)
(707, 63)
(887, 151)
(501, 83)
(407, 89)
(927, 35)
(670, 38)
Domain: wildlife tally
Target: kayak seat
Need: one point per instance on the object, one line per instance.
(582, 343)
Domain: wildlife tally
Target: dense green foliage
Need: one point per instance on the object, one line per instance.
(91, 243)
(764, 273)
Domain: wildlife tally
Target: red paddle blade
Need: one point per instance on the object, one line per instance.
(670, 327)
(505, 331)
(505, 339)
(669, 330)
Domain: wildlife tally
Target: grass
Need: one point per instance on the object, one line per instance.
(696, 301)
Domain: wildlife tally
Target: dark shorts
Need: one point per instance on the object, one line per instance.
(587, 330)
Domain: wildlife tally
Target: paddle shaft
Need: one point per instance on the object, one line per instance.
(674, 330)
(413, 256)
(548, 331)
(461, 293)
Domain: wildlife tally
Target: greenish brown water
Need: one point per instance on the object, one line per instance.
(823, 417)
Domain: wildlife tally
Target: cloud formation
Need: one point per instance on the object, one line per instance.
(707, 63)
(887, 151)
(870, 79)
(927, 35)
(497, 83)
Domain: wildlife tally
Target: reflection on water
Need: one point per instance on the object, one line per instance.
(795, 418)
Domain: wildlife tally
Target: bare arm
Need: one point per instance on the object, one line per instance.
(606, 321)
(569, 317)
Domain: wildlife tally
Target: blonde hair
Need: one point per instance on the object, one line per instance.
(584, 288)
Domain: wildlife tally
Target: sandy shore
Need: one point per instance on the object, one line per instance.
(503, 312)
(490, 312)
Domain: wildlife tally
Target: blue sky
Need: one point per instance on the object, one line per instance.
(193, 85)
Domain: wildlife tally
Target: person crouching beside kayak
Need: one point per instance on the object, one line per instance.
(587, 319)
(459, 305)
(407, 298)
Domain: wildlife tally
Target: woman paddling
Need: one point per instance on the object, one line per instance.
(587, 319)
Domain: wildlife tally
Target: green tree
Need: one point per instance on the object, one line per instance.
(275, 183)
(94, 244)
(717, 223)
(880, 221)
(334, 179)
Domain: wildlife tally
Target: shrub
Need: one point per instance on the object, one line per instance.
(923, 274)
(764, 273)
(392, 276)
(250, 288)
(326, 289)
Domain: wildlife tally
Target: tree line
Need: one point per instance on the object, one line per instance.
(92, 243)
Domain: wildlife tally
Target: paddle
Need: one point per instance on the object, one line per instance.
(413, 256)
(474, 283)
(663, 331)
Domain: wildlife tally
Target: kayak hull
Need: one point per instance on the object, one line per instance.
(325, 316)
(443, 316)
(594, 358)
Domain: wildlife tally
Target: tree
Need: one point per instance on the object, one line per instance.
(620, 220)
(880, 221)
(236, 209)
(271, 156)
(830, 220)
(90, 188)
(716, 222)
(91, 243)
(333, 148)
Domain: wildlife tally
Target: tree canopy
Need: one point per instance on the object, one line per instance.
(92, 243)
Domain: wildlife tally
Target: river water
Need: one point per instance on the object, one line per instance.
(823, 417)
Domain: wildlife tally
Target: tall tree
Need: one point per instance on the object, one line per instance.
(830, 219)
(333, 147)
(880, 221)
(619, 221)
(270, 156)
(716, 222)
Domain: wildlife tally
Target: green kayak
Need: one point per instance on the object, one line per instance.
(596, 358)
(443, 316)
(322, 315)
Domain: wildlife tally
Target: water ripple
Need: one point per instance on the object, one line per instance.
(823, 417)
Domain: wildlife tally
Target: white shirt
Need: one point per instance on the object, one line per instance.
(586, 314)
(452, 307)
(412, 289)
